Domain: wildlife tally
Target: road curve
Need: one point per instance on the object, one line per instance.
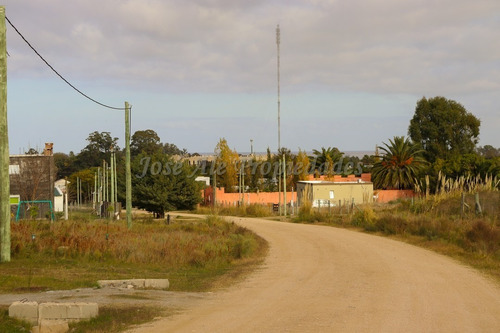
(324, 279)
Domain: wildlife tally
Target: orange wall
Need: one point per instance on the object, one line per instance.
(385, 196)
(250, 198)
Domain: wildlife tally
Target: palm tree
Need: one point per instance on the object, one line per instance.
(323, 161)
(400, 165)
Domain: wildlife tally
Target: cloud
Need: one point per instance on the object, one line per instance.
(221, 46)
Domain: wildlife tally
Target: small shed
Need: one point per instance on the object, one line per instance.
(328, 193)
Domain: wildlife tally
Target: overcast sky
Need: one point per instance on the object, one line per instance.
(195, 71)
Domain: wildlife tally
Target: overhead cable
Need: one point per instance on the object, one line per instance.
(52, 68)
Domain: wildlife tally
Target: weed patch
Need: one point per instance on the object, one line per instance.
(116, 319)
(75, 254)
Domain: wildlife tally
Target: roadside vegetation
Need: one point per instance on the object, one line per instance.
(191, 253)
(252, 210)
(195, 254)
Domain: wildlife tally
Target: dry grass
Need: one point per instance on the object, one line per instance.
(252, 210)
(72, 254)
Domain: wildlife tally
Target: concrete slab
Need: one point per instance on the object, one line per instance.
(53, 326)
(156, 283)
(67, 311)
(27, 311)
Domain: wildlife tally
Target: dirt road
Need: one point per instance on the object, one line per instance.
(323, 279)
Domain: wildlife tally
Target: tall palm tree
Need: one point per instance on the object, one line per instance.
(399, 166)
(323, 161)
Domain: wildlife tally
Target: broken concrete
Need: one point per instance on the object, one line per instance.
(135, 284)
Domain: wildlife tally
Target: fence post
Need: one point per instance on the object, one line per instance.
(479, 211)
(462, 208)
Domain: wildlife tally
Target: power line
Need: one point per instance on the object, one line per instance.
(52, 68)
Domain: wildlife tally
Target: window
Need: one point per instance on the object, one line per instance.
(332, 195)
(13, 169)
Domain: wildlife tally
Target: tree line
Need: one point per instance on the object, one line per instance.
(442, 139)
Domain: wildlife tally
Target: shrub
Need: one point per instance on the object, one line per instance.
(366, 219)
(392, 224)
(484, 237)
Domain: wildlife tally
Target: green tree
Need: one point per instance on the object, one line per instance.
(172, 149)
(87, 182)
(160, 184)
(444, 128)
(147, 142)
(65, 164)
(488, 151)
(97, 150)
(399, 166)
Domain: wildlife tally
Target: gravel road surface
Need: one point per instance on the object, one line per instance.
(324, 279)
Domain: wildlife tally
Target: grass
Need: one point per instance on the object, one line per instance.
(11, 325)
(251, 210)
(73, 254)
(194, 254)
(117, 319)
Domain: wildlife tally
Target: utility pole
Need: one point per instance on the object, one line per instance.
(128, 174)
(116, 179)
(77, 192)
(243, 183)
(66, 199)
(284, 185)
(4, 147)
(112, 181)
(94, 198)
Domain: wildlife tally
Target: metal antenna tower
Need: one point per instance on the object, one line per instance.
(278, 45)
(279, 130)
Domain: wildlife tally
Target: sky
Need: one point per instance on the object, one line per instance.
(351, 72)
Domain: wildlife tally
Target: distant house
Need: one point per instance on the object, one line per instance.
(58, 200)
(32, 177)
(331, 193)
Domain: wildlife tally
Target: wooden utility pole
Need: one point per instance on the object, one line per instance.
(128, 174)
(112, 182)
(116, 177)
(284, 185)
(4, 147)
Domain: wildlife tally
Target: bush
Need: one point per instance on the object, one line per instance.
(365, 219)
(483, 237)
(392, 224)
